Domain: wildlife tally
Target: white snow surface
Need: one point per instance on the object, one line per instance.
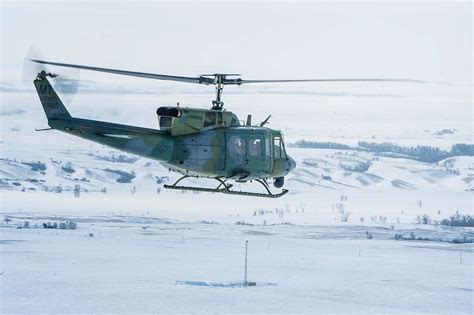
(138, 264)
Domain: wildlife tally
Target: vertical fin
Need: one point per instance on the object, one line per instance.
(52, 105)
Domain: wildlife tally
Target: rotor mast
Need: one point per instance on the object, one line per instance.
(217, 104)
(219, 80)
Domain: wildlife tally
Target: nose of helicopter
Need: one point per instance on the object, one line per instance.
(290, 164)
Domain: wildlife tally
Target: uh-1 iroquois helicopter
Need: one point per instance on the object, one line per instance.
(209, 143)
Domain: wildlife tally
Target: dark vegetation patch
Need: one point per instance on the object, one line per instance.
(422, 153)
(412, 237)
(445, 132)
(456, 220)
(35, 166)
(11, 241)
(322, 145)
(11, 112)
(459, 220)
(68, 168)
(257, 233)
(161, 179)
(120, 158)
(125, 177)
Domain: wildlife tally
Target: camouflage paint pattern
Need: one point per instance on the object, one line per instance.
(187, 147)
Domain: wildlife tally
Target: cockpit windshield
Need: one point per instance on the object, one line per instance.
(278, 147)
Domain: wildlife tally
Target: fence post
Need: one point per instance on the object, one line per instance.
(245, 271)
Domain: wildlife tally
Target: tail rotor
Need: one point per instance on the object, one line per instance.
(66, 82)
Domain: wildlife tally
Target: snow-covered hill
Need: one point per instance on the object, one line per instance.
(50, 168)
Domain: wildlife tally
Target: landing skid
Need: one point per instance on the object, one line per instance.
(226, 188)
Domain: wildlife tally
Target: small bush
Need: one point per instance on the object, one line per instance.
(423, 219)
(68, 225)
(342, 210)
(462, 240)
(243, 223)
(68, 168)
(35, 166)
(49, 225)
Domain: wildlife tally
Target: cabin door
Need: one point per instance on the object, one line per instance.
(248, 154)
(256, 160)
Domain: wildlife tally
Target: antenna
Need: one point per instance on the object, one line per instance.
(245, 272)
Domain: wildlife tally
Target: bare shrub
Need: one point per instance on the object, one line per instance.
(342, 210)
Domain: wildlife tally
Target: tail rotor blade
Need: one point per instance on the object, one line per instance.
(66, 83)
(30, 69)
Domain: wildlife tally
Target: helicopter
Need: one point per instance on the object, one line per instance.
(194, 142)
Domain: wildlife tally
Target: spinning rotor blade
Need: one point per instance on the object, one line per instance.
(329, 80)
(66, 84)
(216, 78)
(198, 80)
(219, 80)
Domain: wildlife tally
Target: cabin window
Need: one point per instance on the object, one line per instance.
(277, 148)
(283, 150)
(237, 146)
(267, 146)
(234, 121)
(209, 119)
(255, 147)
(165, 121)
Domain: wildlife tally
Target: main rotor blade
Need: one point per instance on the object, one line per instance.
(215, 79)
(237, 81)
(198, 80)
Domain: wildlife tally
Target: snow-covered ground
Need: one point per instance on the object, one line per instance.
(142, 264)
(304, 254)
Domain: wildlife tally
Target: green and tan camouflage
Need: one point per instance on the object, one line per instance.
(195, 142)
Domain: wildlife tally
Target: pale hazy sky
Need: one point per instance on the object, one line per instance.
(426, 40)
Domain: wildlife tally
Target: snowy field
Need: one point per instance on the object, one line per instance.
(141, 264)
(328, 246)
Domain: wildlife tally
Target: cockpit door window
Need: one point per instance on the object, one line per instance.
(278, 148)
(283, 149)
(267, 146)
(237, 146)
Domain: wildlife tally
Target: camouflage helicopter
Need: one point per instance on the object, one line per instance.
(201, 143)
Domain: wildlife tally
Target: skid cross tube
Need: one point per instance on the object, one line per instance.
(226, 188)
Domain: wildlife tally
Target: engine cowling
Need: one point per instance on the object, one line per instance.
(183, 120)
